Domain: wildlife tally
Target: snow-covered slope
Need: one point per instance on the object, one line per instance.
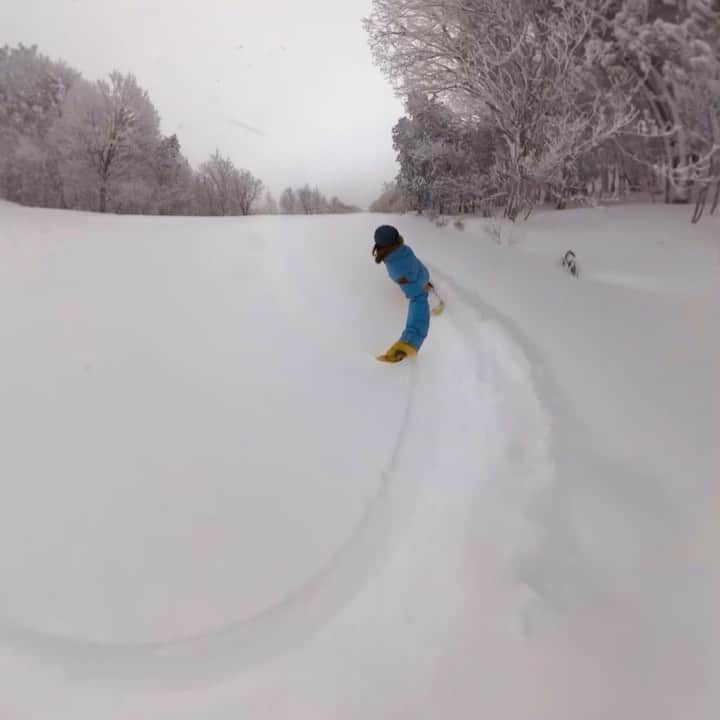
(217, 504)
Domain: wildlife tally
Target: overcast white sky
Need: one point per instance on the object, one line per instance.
(286, 88)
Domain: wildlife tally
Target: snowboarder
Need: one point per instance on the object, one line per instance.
(413, 278)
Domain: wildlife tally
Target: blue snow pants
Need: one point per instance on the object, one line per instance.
(412, 276)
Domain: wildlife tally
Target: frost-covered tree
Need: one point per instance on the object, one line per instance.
(305, 199)
(664, 53)
(106, 136)
(222, 189)
(517, 65)
(172, 174)
(67, 142)
(391, 200)
(32, 89)
(444, 163)
(246, 191)
(338, 207)
(319, 202)
(579, 96)
(309, 200)
(214, 185)
(270, 205)
(288, 201)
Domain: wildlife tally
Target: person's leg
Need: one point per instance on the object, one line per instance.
(418, 321)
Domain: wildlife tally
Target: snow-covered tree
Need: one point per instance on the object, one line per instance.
(444, 163)
(338, 207)
(514, 68)
(67, 142)
(222, 189)
(246, 191)
(32, 89)
(391, 200)
(515, 64)
(318, 202)
(270, 205)
(664, 53)
(305, 199)
(309, 200)
(106, 137)
(288, 201)
(172, 192)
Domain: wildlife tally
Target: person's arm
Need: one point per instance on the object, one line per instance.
(410, 271)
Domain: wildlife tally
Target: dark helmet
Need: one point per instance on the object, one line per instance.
(386, 235)
(387, 240)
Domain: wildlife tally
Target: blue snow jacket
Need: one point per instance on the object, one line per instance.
(412, 276)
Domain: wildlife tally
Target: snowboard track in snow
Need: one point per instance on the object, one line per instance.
(197, 659)
(249, 641)
(576, 577)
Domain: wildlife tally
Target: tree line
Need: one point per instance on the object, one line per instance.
(66, 142)
(514, 103)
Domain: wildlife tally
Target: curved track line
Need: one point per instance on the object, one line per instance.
(189, 659)
(197, 659)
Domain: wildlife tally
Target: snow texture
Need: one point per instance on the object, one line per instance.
(216, 504)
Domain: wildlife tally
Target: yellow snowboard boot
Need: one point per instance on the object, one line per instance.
(397, 352)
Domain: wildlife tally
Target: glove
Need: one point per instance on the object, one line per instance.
(398, 351)
(436, 302)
